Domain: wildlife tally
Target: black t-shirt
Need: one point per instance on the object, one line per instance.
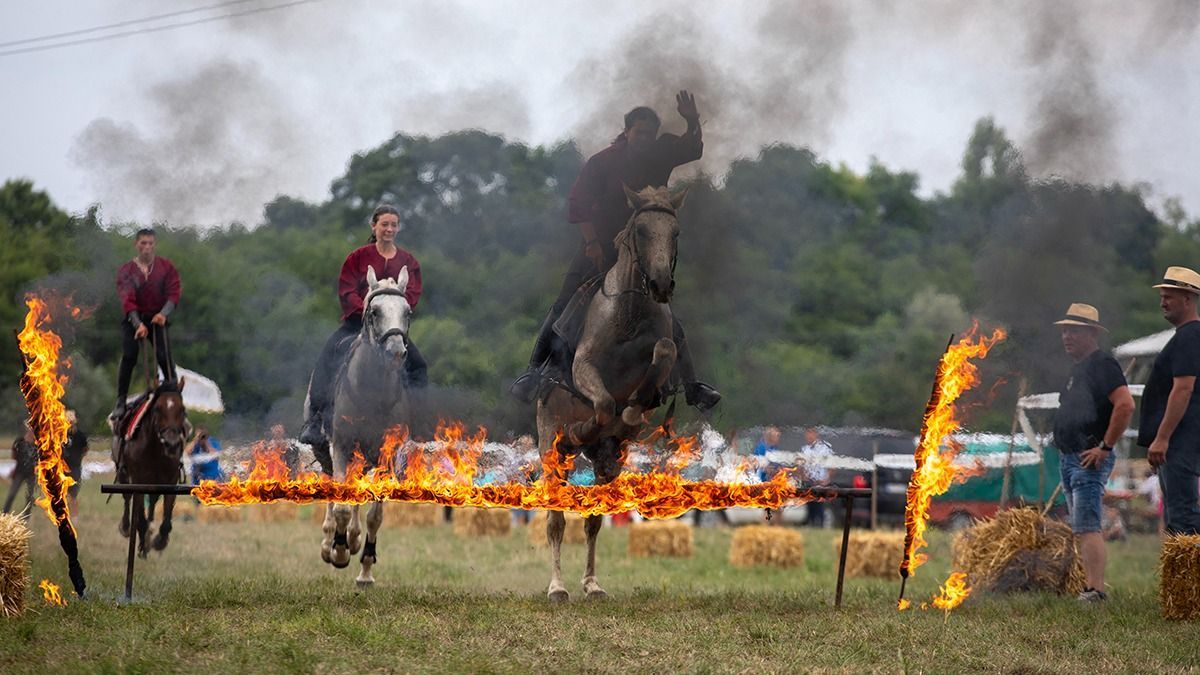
(1083, 406)
(73, 449)
(1180, 358)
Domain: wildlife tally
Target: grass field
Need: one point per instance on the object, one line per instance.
(238, 597)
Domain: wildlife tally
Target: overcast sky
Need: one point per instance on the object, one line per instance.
(203, 124)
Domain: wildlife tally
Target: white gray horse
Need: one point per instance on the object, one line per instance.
(624, 357)
(369, 397)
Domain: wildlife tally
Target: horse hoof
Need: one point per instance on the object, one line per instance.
(340, 566)
(337, 561)
(559, 596)
(364, 583)
(327, 555)
(597, 594)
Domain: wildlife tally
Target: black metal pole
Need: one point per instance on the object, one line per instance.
(134, 525)
(145, 489)
(849, 500)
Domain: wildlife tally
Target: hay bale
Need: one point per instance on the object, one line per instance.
(1179, 577)
(536, 529)
(660, 538)
(409, 514)
(1020, 550)
(219, 514)
(766, 545)
(473, 522)
(14, 564)
(275, 512)
(872, 554)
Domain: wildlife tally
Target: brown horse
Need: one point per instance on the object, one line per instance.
(624, 356)
(153, 455)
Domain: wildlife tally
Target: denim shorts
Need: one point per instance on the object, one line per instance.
(1084, 489)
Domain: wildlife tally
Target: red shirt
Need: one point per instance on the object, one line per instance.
(352, 284)
(597, 195)
(147, 293)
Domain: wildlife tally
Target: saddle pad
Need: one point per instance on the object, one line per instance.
(133, 420)
(569, 325)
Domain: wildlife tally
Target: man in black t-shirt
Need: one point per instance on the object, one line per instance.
(1170, 425)
(1094, 408)
(72, 452)
(25, 454)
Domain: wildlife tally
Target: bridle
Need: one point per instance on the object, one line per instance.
(160, 432)
(643, 287)
(378, 340)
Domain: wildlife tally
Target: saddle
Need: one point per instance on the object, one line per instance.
(135, 412)
(568, 330)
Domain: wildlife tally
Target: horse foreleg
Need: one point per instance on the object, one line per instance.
(143, 525)
(354, 536)
(340, 553)
(374, 520)
(123, 527)
(327, 528)
(591, 527)
(589, 383)
(661, 365)
(164, 530)
(556, 524)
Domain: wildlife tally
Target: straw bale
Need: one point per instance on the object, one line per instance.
(660, 538)
(1019, 550)
(766, 545)
(275, 512)
(872, 554)
(473, 522)
(14, 564)
(409, 514)
(1179, 577)
(219, 514)
(536, 529)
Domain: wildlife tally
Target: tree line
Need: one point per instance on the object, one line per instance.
(812, 293)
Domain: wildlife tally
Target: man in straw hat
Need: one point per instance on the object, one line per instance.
(1170, 425)
(1093, 411)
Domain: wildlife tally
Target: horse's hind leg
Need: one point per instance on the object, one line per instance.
(339, 553)
(374, 520)
(164, 530)
(556, 524)
(591, 527)
(327, 528)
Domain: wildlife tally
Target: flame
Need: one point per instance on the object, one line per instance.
(903, 604)
(935, 468)
(50, 593)
(43, 387)
(443, 471)
(953, 593)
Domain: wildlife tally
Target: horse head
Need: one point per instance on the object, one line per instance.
(168, 418)
(386, 314)
(652, 236)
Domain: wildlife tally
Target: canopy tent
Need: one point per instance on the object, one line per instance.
(1147, 345)
(200, 394)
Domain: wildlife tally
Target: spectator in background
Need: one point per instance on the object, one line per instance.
(766, 453)
(204, 455)
(24, 453)
(814, 458)
(73, 451)
(288, 451)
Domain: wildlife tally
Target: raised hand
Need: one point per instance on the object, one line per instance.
(686, 105)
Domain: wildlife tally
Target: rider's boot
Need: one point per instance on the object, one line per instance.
(697, 393)
(525, 388)
(701, 395)
(118, 411)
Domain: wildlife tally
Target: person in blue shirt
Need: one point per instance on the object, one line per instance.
(205, 456)
(766, 446)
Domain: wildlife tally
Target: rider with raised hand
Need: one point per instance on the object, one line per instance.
(638, 157)
(381, 253)
(149, 289)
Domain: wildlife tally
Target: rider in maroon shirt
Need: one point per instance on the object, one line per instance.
(149, 289)
(638, 158)
(388, 259)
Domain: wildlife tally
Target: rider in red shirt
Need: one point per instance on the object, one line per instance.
(381, 253)
(149, 289)
(638, 158)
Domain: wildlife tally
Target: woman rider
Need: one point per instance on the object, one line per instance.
(381, 253)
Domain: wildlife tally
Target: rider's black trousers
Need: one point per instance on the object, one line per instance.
(129, 356)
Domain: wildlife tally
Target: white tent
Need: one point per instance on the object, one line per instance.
(200, 394)
(1148, 345)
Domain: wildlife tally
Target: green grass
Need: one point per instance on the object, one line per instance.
(255, 597)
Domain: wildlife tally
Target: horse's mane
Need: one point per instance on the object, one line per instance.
(168, 387)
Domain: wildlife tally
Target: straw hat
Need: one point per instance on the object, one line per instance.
(1181, 278)
(1079, 314)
